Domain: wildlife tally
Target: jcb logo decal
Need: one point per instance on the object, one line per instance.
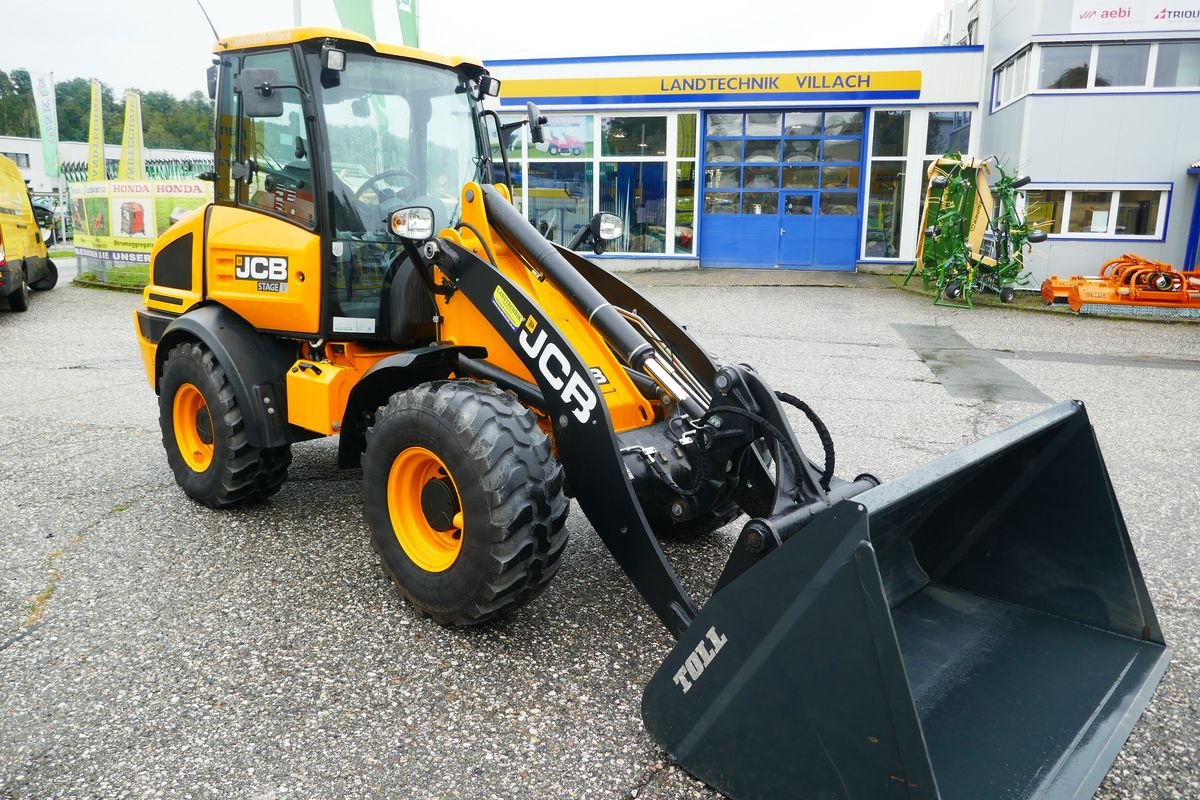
(699, 659)
(558, 373)
(261, 268)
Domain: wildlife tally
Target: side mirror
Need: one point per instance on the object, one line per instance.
(414, 223)
(1036, 235)
(1024, 180)
(259, 96)
(488, 87)
(537, 134)
(212, 82)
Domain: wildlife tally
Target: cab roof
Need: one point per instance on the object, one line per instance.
(297, 35)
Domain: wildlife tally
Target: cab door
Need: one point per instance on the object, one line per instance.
(264, 252)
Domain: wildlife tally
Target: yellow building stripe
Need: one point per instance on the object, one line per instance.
(748, 84)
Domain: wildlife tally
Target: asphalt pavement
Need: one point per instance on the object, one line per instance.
(150, 647)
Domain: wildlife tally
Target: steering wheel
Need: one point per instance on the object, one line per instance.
(380, 177)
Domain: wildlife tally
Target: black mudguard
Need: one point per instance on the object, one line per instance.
(256, 366)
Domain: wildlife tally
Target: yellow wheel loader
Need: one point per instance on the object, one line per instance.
(362, 272)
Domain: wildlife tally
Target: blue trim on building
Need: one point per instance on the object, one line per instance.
(1193, 241)
(626, 99)
(882, 51)
(1099, 93)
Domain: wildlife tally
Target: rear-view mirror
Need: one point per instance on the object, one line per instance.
(259, 95)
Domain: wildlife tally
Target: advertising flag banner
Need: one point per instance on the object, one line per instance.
(409, 29)
(357, 15)
(47, 114)
(95, 171)
(132, 166)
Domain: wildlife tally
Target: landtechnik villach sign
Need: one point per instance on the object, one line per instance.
(851, 85)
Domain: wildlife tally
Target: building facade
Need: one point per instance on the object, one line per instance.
(806, 160)
(817, 160)
(1098, 102)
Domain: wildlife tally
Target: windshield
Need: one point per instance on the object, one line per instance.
(400, 134)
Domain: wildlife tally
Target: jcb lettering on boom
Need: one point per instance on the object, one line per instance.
(558, 373)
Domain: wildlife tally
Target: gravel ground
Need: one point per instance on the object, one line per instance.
(150, 647)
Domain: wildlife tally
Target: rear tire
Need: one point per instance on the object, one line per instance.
(19, 299)
(464, 499)
(50, 280)
(953, 291)
(1008, 294)
(204, 434)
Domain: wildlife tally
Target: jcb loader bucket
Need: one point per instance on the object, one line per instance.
(978, 628)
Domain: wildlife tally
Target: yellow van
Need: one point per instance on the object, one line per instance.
(24, 264)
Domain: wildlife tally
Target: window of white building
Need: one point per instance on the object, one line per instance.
(1101, 212)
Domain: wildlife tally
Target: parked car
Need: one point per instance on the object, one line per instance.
(24, 262)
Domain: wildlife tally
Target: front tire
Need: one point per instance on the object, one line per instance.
(204, 434)
(464, 499)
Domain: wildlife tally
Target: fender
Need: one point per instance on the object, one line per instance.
(256, 366)
(393, 374)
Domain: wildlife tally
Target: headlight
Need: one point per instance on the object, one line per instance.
(413, 223)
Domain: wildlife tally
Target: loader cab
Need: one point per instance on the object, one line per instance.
(315, 152)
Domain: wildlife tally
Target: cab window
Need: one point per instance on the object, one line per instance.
(276, 176)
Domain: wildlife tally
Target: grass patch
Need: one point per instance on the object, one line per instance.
(61, 252)
(132, 277)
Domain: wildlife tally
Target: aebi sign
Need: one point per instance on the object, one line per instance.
(1101, 16)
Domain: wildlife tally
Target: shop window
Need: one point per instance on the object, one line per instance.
(721, 202)
(843, 123)
(1098, 213)
(847, 150)
(801, 150)
(1089, 212)
(839, 178)
(1065, 66)
(760, 178)
(1010, 80)
(1044, 209)
(718, 152)
(760, 203)
(1178, 64)
(801, 177)
(722, 177)
(949, 132)
(1137, 213)
(762, 124)
(890, 137)
(564, 137)
(685, 204)
(560, 198)
(20, 159)
(685, 138)
(839, 204)
(758, 151)
(723, 124)
(633, 136)
(885, 207)
(1121, 64)
(802, 123)
(636, 191)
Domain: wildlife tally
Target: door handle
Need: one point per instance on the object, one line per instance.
(782, 231)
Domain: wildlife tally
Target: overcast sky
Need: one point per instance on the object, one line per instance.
(166, 44)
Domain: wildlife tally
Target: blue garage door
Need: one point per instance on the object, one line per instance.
(781, 189)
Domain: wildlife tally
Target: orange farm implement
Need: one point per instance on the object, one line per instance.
(1129, 285)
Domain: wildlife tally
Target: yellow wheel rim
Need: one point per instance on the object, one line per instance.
(426, 509)
(193, 428)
